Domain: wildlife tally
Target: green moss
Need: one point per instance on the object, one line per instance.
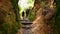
(31, 16)
(16, 8)
(8, 28)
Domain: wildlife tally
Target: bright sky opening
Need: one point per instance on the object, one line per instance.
(25, 4)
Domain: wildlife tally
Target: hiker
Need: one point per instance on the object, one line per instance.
(23, 15)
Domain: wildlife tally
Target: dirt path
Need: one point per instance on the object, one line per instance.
(26, 26)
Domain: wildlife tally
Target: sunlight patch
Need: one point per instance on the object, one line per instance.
(26, 4)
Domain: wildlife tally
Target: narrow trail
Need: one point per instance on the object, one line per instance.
(26, 26)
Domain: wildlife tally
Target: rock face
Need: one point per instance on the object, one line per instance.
(42, 12)
(9, 23)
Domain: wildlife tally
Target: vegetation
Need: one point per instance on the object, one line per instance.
(31, 16)
(16, 8)
(57, 18)
(9, 19)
